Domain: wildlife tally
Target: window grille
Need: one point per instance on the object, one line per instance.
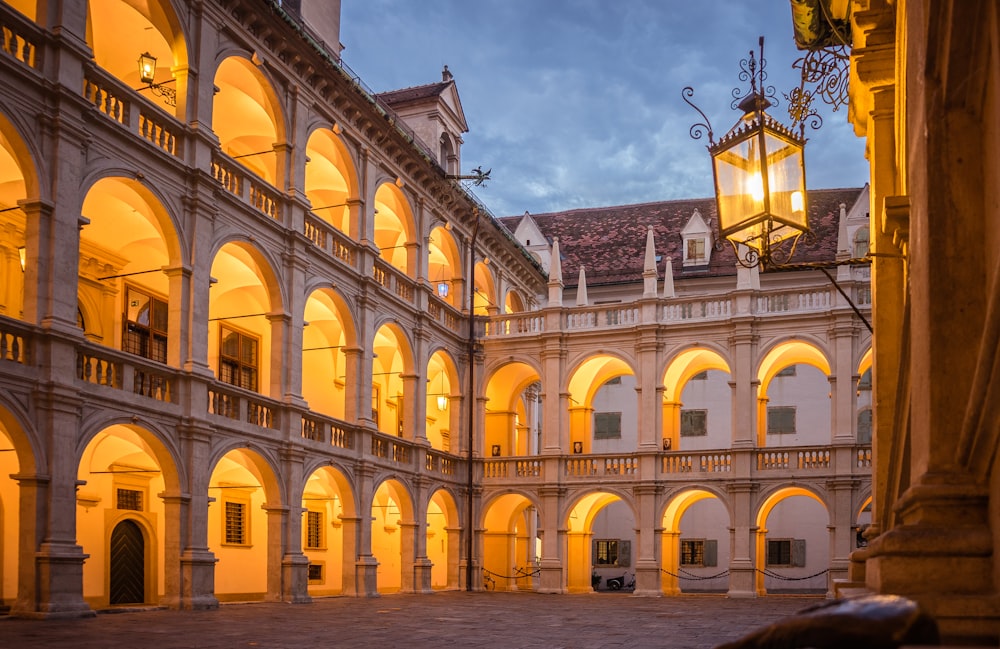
(129, 499)
(314, 530)
(236, 523)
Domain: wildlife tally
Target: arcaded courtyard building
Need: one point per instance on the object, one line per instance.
(256, 342)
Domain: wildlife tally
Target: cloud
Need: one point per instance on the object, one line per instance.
(578, 104)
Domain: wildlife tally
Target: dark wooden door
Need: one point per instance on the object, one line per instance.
(128, 564)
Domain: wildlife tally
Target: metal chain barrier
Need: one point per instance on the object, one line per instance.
(774, 575)
(691, 577)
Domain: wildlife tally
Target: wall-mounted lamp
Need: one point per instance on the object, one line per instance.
(147, 74)
(22, 254)
(442, 289)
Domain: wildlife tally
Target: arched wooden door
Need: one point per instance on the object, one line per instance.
(127, 564)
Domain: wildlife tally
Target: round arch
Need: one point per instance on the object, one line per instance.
(510, 411)
(600, 535)
(443, 539)
(331, 180)
(392, 365)
(509, 539)
(247, 116)
(329, 329)
(19, 184)
(444, 264)
(780, 558)
(328, 500)
(710, 516)
(442, 392)
(393, 525)
(485, 298)
(394, 228)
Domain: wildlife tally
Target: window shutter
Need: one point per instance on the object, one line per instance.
(624, 553)
(799, 552)
(711, 553)
(593, 552)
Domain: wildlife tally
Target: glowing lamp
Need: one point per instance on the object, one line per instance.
(147, 67)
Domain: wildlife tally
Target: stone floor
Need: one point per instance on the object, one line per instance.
(446, 619)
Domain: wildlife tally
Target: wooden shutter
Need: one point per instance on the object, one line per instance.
(711, 556)
(798, 552)
(624, 553)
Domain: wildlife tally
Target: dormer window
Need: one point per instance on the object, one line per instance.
(697, 236)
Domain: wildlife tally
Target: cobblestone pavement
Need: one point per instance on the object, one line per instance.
(445, 619)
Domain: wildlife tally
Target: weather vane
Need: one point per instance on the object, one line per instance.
(478, 176)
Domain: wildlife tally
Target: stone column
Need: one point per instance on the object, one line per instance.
(742, 564)
(197, 562)
(366, 565)
(670, 544)
(553, 533)
(294, 563)
(648, 538)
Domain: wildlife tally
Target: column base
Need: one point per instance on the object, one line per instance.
(742, 582)
(422, 576)
(198, 580)
(295, 579)
(59, 583)
(366, 576)
(550, 577)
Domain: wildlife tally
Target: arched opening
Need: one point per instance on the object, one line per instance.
(394, 228)
(514, 303)
(331, 181)
(119, 33)
(485, 298)
(393, 529)
(441, 417)
(16, 259)
(600, 544)
(601, 390)
(125, 251)
(392, 381)
(242, 503)
(511, 543)
(328, 531)
(444, 266)
(793, 399)
(513, 413)
(17, 545)
(239, 331)
(246, 118)
(792, 543)
(329, 332)
(697, 402)
(443, 540)
(121, 517)
(695, 548)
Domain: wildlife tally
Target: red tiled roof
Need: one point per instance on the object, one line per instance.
(610, 242)
(414, 93)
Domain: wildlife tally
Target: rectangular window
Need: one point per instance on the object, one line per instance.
(786, 552)
(694, 423)
(238, 358)
(788, 371)
(606, 552)
(314, 530)
(145, 323)
(130, 499)
(780, 419)
(316, 572)
(695, 250)
(700, 376)
(692, 552)
(607, 425)
(236, 523)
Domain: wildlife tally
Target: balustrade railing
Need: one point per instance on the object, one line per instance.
(514, 324)
(794, 301)
(706, 309)
(393, 280)
(18, 40)
(244, 185)
(241, 405)
(15, 343)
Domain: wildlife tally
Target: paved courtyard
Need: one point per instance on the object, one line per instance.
(450, 619)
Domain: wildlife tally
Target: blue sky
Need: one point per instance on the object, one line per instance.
(577, 103)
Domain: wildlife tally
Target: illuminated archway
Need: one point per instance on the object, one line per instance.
(444, 265)
(443, 540)
(18, 541)
(780, 389)
(695, 544)
(329, 332)
(590, 378)
(125, 250)
(246, 117)
(331, 181)
(329, 542)
(441, 416)
(119, 32)
(510, 543)
(242, 297)
(392, 380)
(393, 529)
(600, 541)
(782, 559)
(514, 303)
(394, 229)
(700, 374)
(17, 182)
(243, 497)
(511, 411)
(485, 299)
(123, 473)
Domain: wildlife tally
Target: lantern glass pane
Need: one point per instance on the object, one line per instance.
(786, 181)
(739, 185)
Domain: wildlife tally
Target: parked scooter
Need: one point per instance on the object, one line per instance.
(617, 583)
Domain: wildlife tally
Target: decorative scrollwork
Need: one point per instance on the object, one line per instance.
(828, 70)
(698, 129)
(801, 111)
(754, 70)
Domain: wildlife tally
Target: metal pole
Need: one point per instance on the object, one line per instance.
(471, 392)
